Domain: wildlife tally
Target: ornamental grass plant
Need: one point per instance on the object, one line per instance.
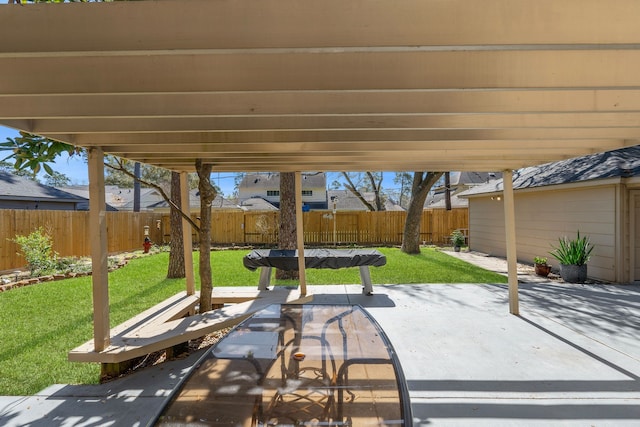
(573, 251)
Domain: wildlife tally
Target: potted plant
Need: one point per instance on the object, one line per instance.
(457, 239)
(541, 267)
(573, 256)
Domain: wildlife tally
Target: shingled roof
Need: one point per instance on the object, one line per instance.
(622, 163)
(14, 187)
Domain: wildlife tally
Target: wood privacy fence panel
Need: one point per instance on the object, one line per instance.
(444, 222)
(327, 228)
(125, 230)
(70, 232)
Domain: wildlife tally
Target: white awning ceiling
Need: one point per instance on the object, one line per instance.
(290, 85)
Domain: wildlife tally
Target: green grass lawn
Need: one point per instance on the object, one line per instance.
(39, 324)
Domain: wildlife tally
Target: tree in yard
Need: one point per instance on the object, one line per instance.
(207, 194)
(176, 259)
(287, 231)
(358, 183)
(8, 167)
(121, 172)
(30, 153)
(422, 183)
(403, 179)
(56, 179)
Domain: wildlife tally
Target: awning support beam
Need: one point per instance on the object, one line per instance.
(510, 232)
(99, 249)
(300, 235)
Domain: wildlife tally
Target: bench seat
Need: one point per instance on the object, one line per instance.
(172, 322)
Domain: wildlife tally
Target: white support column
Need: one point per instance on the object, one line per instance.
(300, 235)
(99, 250)
(510, 232)
(187, 241)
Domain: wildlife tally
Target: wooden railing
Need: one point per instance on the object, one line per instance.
(125, 230)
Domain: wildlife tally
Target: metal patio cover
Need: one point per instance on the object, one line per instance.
(301, 85)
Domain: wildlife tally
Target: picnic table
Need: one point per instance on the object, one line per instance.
(287, 259)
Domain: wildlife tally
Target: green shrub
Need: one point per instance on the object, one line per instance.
(573, 252)
(37, 250)
(457, 238)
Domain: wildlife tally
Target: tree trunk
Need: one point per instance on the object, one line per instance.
(287, 231)
(207, 194)
(176, 251)
(422, 183)
(447, 190)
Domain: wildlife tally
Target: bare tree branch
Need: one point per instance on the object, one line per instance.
(349, 185)
(167, 199)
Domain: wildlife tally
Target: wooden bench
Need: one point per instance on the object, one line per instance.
(172, 323)
(266, 259)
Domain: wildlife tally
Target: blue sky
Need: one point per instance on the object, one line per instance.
(76, 169)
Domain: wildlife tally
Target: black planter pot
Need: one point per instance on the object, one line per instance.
(573, 273)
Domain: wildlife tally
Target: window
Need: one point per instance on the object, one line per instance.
(307, 192)
(273, 193)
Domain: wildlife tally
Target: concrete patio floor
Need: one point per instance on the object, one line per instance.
(572, 358)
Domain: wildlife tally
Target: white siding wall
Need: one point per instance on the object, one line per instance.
(544, 216)
(319, 194)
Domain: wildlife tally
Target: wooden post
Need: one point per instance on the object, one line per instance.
(510, 232)
(300, 235)
(187, 243)
(99, 250)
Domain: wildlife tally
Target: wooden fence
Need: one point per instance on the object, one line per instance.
(125, 230)
(70, 232)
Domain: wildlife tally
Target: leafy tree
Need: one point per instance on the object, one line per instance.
(33, 152)
(8, 167)
(403, 179)
(237, 180)
(422, 183)
(57, 179)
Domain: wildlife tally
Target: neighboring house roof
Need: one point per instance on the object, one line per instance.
(347, 201)
(624, 162)
(437, 201)
(83, 191)
(469, 178)
(14, 187)
(122, 198)
(118, 198)
(458, 182)
(194, 202)
(150, 198)
(270, 180)
(257, 204)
